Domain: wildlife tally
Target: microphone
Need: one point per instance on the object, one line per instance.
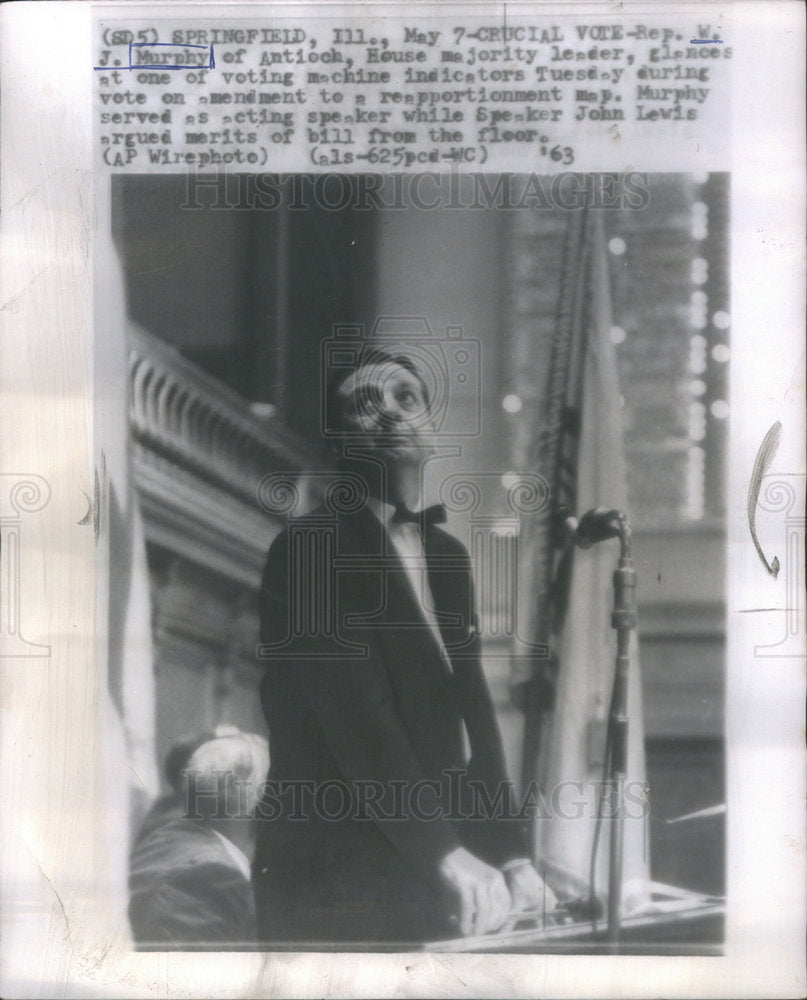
(596, 525)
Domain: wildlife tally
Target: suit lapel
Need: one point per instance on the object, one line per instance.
(386, 610)
(397, 604)
(362, 535)
(450, 584)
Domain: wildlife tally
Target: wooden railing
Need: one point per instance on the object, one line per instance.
(196, 421)
(200, 456)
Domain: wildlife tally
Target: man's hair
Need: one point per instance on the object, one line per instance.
(368, 355)
(225, 774)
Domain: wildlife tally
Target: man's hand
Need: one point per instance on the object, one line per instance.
(484, 899)
(528, 890)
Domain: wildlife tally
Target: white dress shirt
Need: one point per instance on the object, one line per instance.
(408, 542)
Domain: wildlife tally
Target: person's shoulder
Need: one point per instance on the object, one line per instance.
(321, 518)
(318, 521)
(178, 842)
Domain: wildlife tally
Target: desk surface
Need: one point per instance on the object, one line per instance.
(683, 926)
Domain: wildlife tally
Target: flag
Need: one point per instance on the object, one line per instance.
(581, 453)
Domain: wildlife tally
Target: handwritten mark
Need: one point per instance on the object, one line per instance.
(767, 450)
(705, 41)
(93, 515)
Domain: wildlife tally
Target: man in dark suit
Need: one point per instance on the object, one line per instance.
(189, 874)
(377, 827)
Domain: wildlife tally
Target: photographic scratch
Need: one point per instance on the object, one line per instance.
(136, 773)
(765, 455)
(54, 890)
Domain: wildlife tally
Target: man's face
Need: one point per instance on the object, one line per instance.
(386, 403)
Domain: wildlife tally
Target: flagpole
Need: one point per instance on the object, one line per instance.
(564, 387)
(579, 447)
(623, 620)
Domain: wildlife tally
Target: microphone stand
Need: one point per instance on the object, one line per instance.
(597, 525)
(624, 620)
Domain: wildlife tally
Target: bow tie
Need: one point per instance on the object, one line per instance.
(436, 514)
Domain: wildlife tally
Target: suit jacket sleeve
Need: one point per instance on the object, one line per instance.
(505, 835)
